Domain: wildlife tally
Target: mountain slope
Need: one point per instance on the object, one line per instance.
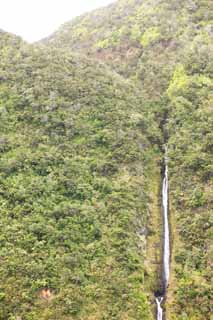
(79, 155)
(140, 39)
(190, 128)
(165, 47)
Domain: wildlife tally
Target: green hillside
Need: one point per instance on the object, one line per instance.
(190, 131)
(78, 151)
(142, 39)
(84, 118)
(166, 48)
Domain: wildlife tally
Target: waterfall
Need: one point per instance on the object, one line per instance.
(166, 242)
(166, 248)
(159, 309)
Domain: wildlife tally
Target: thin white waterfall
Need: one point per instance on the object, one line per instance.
(166, 242)
(166, 249)
(159, 309)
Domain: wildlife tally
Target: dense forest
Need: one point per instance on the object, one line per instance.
(85, 115)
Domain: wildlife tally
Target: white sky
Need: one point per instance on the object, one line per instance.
(36, 19)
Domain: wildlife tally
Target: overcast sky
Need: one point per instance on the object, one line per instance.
(36, 19)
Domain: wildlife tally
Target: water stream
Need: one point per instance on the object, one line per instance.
(159, 308)
(166, 243)
(166, 249)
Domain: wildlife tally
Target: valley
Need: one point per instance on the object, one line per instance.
(98, 218)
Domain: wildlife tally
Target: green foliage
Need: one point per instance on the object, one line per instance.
(75, 146)
(149, 36)
(189, 128)
(179, 82)
(104, 44)
(79, 147)
(166, 49)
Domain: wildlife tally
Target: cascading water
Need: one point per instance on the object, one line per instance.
(166, 250)
(166, 245)
(159, 308)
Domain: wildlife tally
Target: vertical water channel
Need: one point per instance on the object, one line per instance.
(166, 249)
(166, 242)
